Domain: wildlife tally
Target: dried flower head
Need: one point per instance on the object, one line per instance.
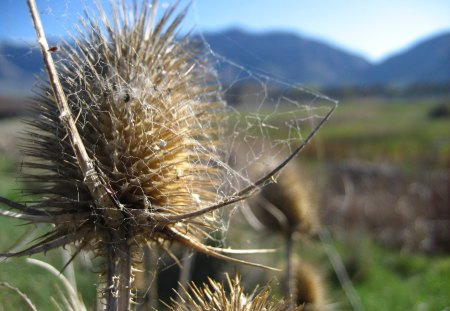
(309, 287)
(285, 206)
(149, 115)
(217, 296)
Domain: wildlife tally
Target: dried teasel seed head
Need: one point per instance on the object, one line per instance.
(309, 288)
(230, 297)
(147, 107)
(285, 206)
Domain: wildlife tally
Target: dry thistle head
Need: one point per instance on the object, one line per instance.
(149, 114)
(285, 206)
(217, 296)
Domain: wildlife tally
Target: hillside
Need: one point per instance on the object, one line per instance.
(287, 56)
(307, 61)
(427, 61)
(281, 55)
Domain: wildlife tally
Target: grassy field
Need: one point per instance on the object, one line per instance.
(405, 282)
(386, 279)
(396, 132)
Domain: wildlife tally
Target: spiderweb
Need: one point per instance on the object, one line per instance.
(268, 119)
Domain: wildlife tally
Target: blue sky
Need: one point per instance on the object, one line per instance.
(372, 29)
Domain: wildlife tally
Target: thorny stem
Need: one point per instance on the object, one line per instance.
(185, 273)
(118, 278)
(150, 298)
(145, 280)
(91, 178)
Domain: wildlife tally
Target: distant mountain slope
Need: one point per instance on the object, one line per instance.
(18, 66)
(287, 56)
(277, 54)
(428, 61)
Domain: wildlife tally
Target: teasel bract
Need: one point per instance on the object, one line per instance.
(147, 109)
(230, 297)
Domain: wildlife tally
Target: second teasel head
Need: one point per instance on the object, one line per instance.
(286, 206)
(310, 289)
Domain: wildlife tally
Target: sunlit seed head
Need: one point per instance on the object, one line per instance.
(149, 113)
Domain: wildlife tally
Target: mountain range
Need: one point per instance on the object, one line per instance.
(282, 55)
(300, 60)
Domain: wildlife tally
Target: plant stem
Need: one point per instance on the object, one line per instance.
(289, 270)
(185, 273)
(118, 275)
(151, 266)
(146, 281)
(341, 272)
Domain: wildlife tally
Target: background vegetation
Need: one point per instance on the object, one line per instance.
(390, 158)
